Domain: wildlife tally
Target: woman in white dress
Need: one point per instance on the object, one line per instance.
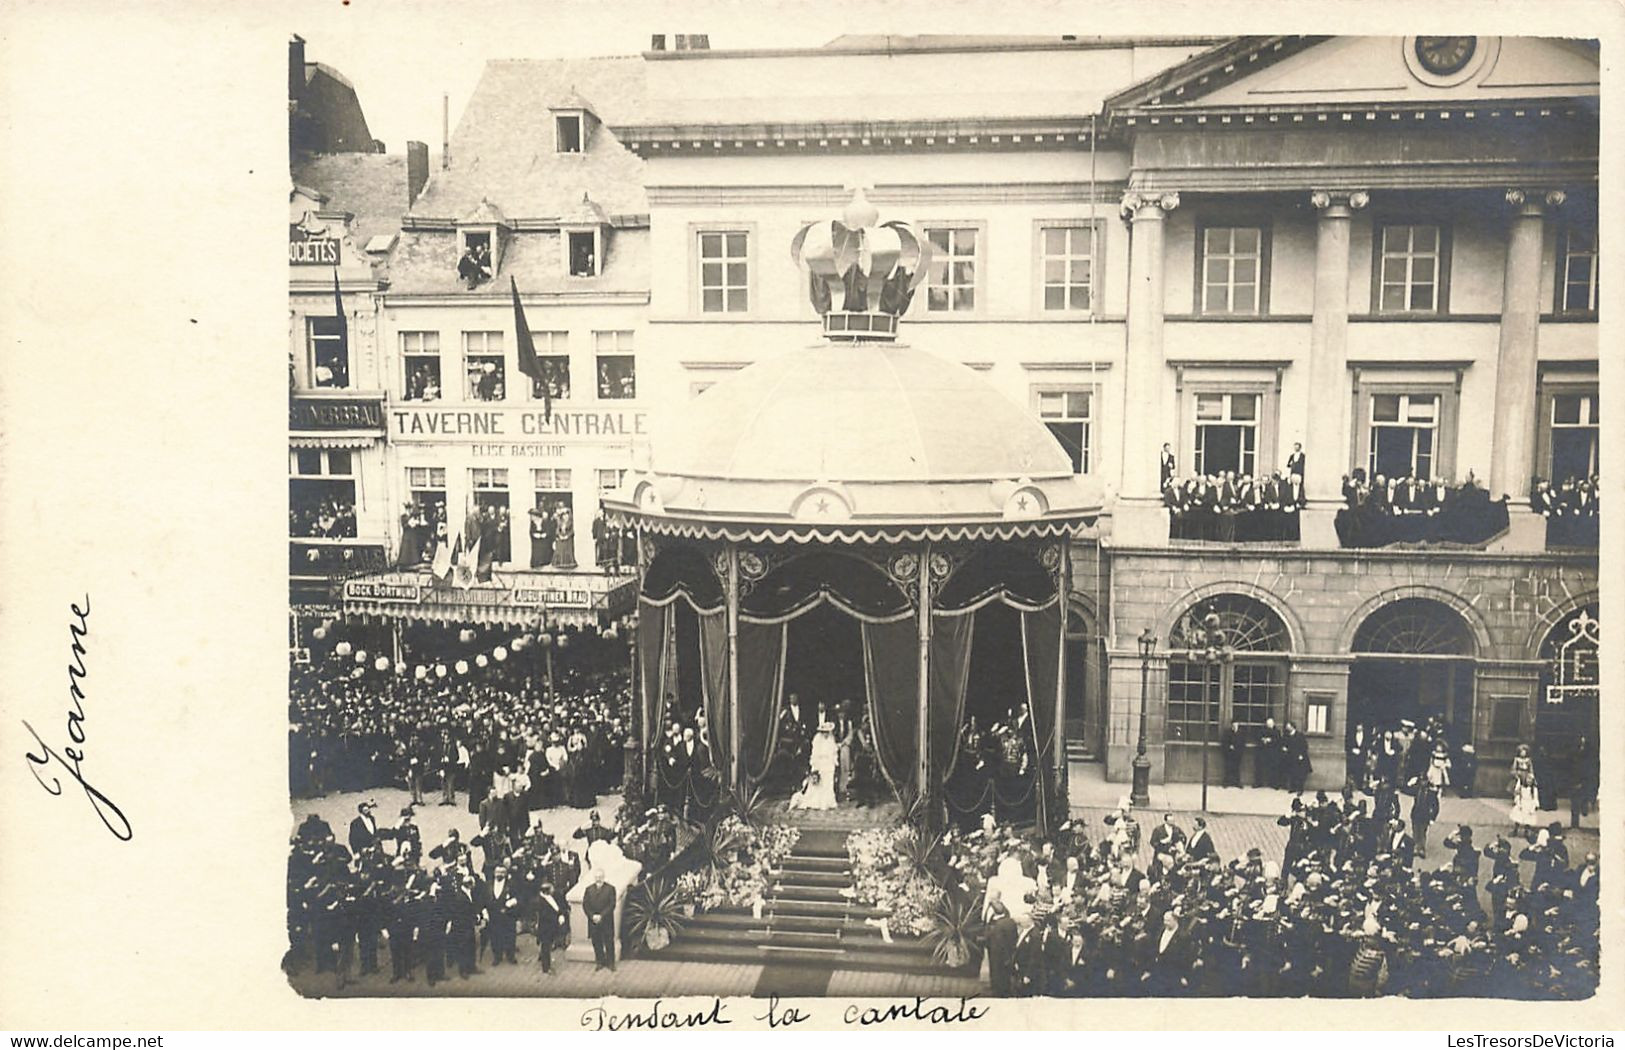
(1525, 792)
(818, 790)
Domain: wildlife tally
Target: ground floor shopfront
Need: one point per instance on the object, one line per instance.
(1500, 648)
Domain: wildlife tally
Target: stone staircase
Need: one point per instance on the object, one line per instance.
(807, 921)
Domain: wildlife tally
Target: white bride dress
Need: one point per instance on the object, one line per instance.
(818, 792)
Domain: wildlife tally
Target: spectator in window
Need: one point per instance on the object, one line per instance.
(474, 267)
(542, 531)
(487, 383)
(564, 540)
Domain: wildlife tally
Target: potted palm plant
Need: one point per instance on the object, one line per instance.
(955, 937)
(654, 914)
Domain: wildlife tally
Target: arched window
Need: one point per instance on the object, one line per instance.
(1415, 627)
(1248, 689)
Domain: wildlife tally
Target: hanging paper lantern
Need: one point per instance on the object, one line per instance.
(545, 638)
(313, 555)
(611, 633)
(564, 640)
(420, 672)
(320, 634)
(400, 669)
(518, 645)
(358, 672)
(361, 656)
(499, 654)
(482, 661)
(530, 637)
(440, 670)
(343, 648)
(382, 663)
(465, 636)
(462, 666)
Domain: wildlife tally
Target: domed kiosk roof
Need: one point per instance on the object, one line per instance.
(859, 441)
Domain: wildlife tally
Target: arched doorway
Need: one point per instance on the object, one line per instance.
(1413, 661)
(1246, 690)
(1566, 712)
(1085, 724)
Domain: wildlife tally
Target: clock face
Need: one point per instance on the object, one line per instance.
(1444, 55)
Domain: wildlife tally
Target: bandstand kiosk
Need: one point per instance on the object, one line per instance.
(869, 475)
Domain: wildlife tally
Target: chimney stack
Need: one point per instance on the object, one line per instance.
(296, 67)
(417, 170)
(445, 131)
(657, 42)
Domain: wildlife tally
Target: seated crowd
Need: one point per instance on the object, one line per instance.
(1347, 912)
(1408, 509)
(328, 519)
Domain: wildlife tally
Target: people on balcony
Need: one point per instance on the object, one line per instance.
(326, 518)
(1571, 508)
(1234, 508)
(1408, 509)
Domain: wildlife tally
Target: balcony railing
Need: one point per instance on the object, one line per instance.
(335, 559)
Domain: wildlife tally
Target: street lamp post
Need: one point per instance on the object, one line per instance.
(1211, 653)
(1141, 793)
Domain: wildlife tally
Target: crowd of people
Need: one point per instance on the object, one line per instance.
(1409, 509)
(551, 525)
(1348, 911)
(1572, 509)
(423, 383)
(327, 518)
(497, 732)
(1234, 508)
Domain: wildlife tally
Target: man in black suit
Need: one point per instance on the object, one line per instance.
(594, 831)
(1030, 960)
(1166, 835)
(1233, 746)
(502, 915)
(599, 903)
(552, 925)
(1200, 846)
(464, 916)
(1267, 758)
(1001, 946)
(1294, 462)
(364, 828)
(1167, 460)
(1169, 971)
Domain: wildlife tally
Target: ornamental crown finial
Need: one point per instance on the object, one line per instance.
(872, 267)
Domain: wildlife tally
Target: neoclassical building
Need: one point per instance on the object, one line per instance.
(1324, 257)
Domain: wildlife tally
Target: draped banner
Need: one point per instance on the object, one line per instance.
(653, 626)
(714, 683)
(761, 681)
(950, 675)
(1040, 643)
(891, 675)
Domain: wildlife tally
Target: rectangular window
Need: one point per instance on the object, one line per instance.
(484, 366)
(1232, 269)
(551, 520)
(1067, 261)
(1226, 433)
(617, 368)
(952, 286)
(490, 485)
(420, 352)
(1578, 271)
(567, 132)
(1317, 713)
(724, 272)
(1506, 717)
(321, 494)
(1574, 436)
(329, 359)
(1410, 270)
(1404, 435)
(1257, 692)
(427, 486)
(553, 353)
(583, 248)
(609, 478)
(1191, 690)
(1066, 414)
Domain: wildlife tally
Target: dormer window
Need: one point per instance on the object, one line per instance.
(583, 249)
(474, 265)
(569, 133)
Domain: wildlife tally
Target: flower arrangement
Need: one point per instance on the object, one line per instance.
(888, 872)
(742, 858)
(694, 887)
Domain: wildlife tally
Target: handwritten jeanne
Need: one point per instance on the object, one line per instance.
(72, 756)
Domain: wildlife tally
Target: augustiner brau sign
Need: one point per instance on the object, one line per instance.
(313, 251)
(521, 424)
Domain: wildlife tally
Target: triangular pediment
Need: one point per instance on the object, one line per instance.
(1285, 72)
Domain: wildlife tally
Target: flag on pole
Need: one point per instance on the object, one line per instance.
(529, 363)
(444, 555)
(467, 564)
(344, 321)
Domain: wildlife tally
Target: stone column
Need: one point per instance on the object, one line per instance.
(1139, 516)
(736, 776)
(1512, 456)
(1326, 443)
(926, 789)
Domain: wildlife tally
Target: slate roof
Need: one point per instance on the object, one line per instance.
(503, 148)
(372, 186)
(424, 262)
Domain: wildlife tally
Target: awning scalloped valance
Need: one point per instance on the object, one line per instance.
(357, 439)
(748, 532)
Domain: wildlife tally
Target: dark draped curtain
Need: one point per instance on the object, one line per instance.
(950, 674)
(1010, 570)
(761, 681)
(1041, 647)
(654, 623)
(891, 675)
(683, 569)
(856, 584)
(714, 683)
